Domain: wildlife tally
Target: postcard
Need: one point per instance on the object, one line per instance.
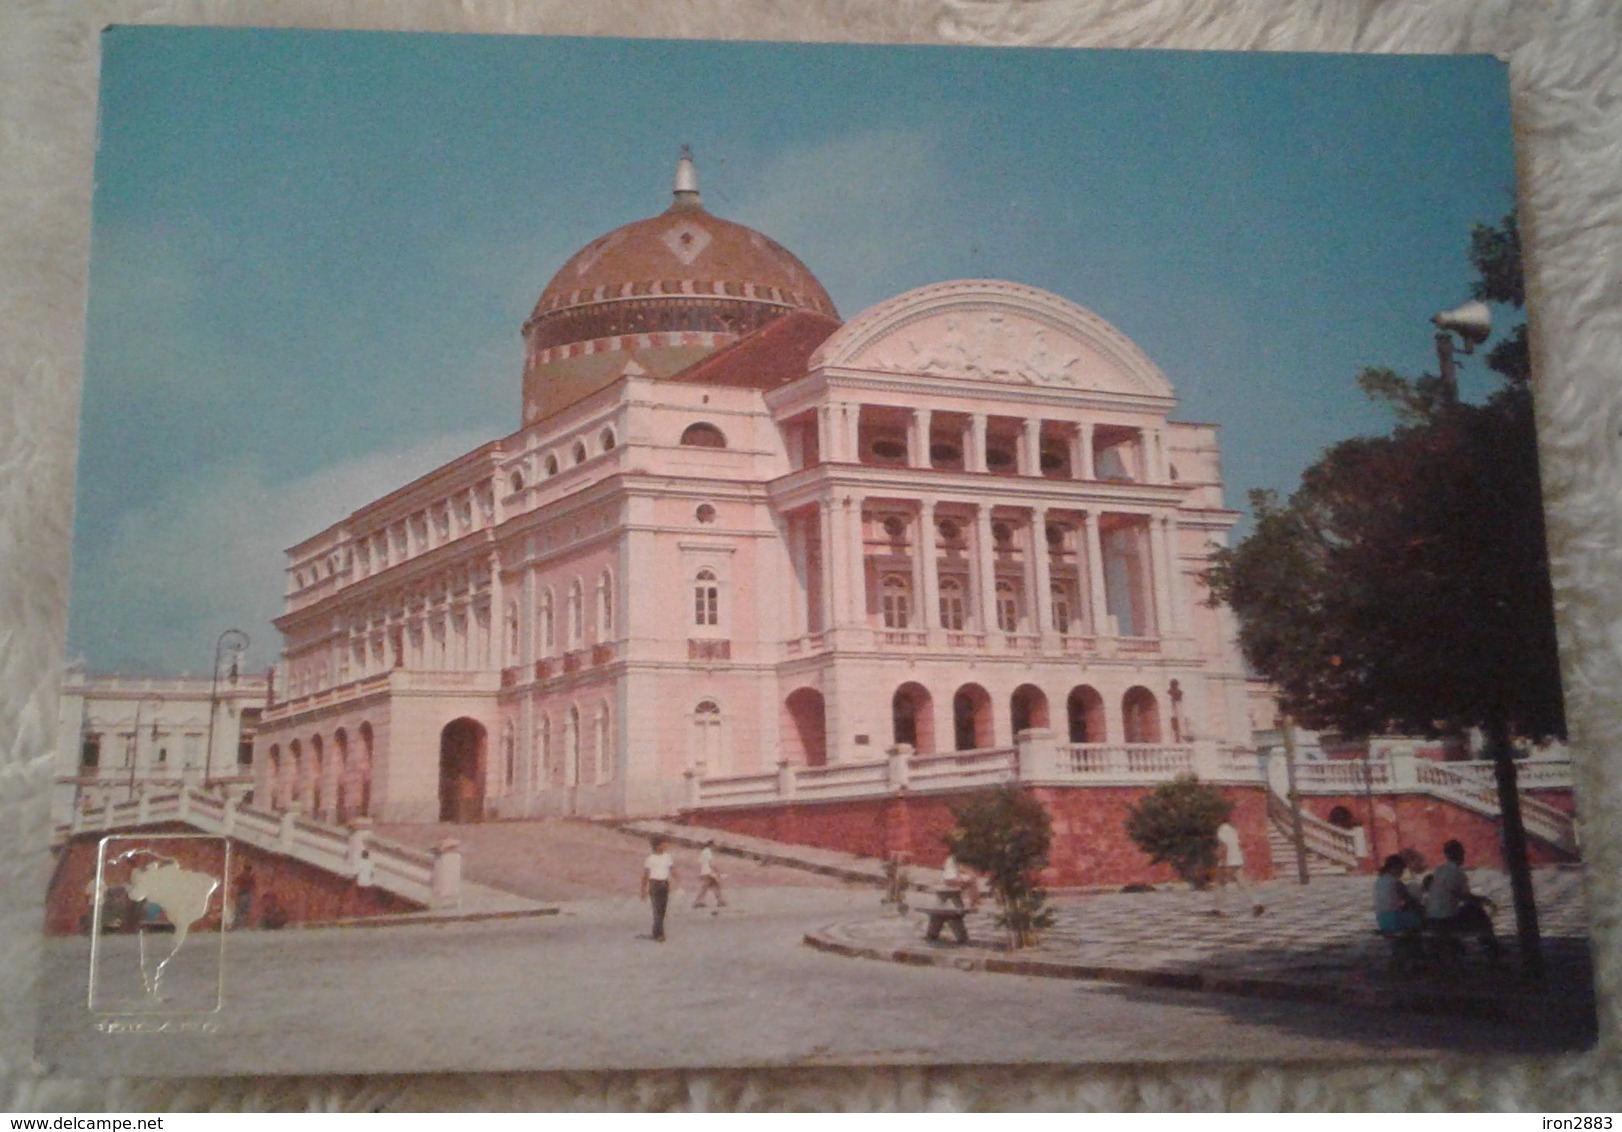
(639, 554)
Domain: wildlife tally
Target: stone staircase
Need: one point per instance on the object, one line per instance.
(1283, 850)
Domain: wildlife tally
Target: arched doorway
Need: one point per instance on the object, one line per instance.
(806, 741)
(1028, 708)
(346, 775)
(318, 778)
(971, 718)
(1085, 709)
(913, 718)
(273, 783)
(363, 772)
(1140, 716)
(461, 771)
(293, 794)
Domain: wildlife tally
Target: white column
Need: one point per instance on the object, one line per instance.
(849, 449)
(1041, 573)
(825, 433)
(498, 617)
(929, 589)
(1087, 471)
(799, 620)
(856, 612)
(919, 454)
(830, 563)
(1030, 455)
(986, 580)
(1095, 575)
(975, 457)
(1157, 560)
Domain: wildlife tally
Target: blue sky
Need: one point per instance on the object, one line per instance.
(313, 251)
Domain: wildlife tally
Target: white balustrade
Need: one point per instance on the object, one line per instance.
(963, 769)
(397, 868)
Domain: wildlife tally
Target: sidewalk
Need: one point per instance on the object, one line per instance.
(1314, 943)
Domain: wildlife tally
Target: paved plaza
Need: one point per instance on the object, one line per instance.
(1312, 943)
(584, 987)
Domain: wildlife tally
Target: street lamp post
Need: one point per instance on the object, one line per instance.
(234, 641)
(1472, 322)
(134, 751)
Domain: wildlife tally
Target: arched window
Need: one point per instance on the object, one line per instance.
(580, 452)
(571, 743)
(605, 605)
(1007, 606)
(706, 752)
(605, 440)
(952, 603)
(552, 464)
(548, 640)
(1061, 607)
(706, 599)
(512, 632)
(703, 435)
(605, 748)
(895, 599)
(577, 624)
(551, 771)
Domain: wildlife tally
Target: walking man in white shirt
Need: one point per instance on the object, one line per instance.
(708, 879)
(657, 871)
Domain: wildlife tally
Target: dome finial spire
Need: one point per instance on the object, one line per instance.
(685, 193)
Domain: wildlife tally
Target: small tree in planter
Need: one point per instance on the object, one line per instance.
(1176, 824)
(1004, 833)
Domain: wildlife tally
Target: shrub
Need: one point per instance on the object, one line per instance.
(1004, 833)
(1176, 824)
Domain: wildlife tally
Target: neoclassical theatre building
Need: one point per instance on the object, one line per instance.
(739, 549)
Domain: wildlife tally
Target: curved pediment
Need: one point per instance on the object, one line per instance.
(989, 330)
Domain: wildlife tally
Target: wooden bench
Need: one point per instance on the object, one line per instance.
(944, 917)
(1407, 948)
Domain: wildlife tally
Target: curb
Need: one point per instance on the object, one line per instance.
(948, 956)
(409, 919)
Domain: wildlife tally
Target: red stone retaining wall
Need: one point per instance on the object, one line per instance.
(1090, 845)
(307, 893)
(1417, 821)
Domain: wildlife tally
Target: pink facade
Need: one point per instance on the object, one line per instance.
(961, 515)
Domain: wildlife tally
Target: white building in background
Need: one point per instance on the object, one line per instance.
(733, 532)
(119, 735)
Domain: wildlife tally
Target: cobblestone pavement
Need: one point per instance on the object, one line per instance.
(1315, 942)
(586, 988)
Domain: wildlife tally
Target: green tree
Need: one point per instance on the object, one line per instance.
(1405, 584)
(1004, 833)
(1176, 824)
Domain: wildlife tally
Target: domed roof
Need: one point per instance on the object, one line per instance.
(670, 289)
(682, 251)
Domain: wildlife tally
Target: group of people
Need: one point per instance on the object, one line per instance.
(1443, 904)
(659, 871)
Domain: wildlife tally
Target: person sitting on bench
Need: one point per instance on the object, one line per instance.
(1398, 913)
(1397, 910)
(1452, 909)
(961, 882)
